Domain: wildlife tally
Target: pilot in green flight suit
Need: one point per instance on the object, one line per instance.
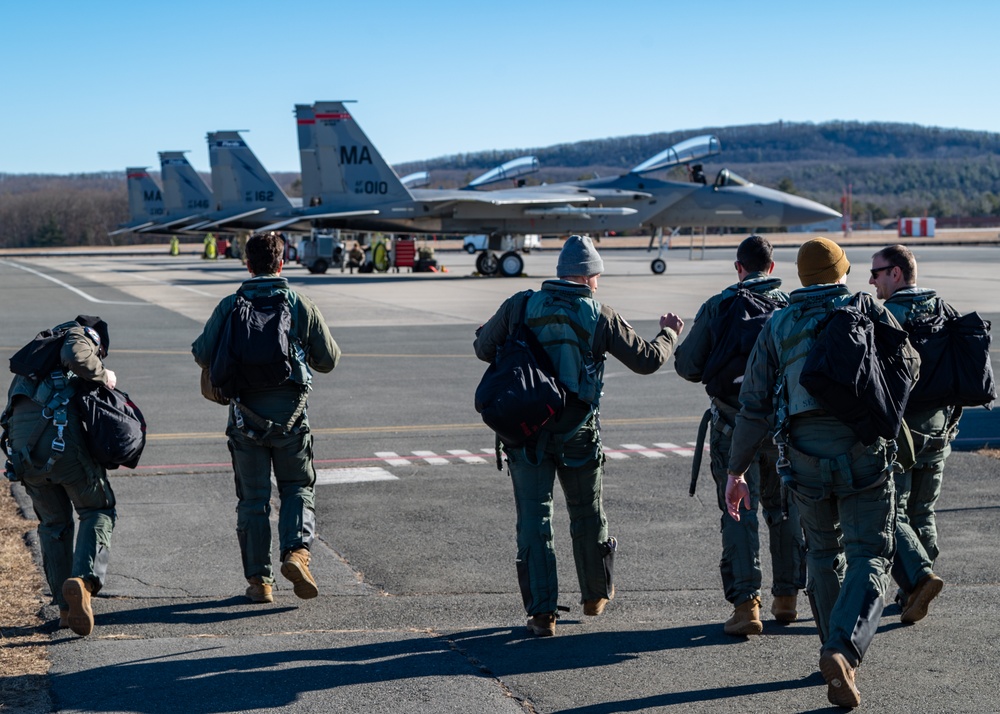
(576, 331)
(843, 489)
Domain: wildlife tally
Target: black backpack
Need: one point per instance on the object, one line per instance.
(856, 371)
(519, 392)
(253, 345)
(40, 357)
(115, 430)
(734, 331)
(955, 368)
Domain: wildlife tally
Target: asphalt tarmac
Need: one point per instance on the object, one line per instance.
(419, 609)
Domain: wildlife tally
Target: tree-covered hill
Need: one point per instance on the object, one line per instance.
(893, 169)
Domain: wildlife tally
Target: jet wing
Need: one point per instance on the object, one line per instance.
(505, 197)
(306, 218)
(230, 219)
(167, 224)
(129, 229)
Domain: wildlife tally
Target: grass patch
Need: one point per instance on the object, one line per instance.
(24, 659)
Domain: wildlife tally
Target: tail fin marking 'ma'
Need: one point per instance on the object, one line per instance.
(353, 173)
(239, 181)
(145, 199)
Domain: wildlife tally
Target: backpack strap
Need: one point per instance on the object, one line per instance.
(264, 428)
(54, 394)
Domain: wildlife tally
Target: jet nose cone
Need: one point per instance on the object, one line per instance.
(800, 210)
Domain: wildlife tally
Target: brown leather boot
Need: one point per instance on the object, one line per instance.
(543, 625)
(258, 590)
(919, 600)
(295, 568)
(839, 676)
(745, 619)
(785, 608)
(593, 608)
(80, 618)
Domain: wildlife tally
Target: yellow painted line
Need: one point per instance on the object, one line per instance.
(413, 428)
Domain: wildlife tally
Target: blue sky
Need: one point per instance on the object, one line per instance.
(104, 85)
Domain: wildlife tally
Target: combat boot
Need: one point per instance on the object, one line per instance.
(543, 625)
(745, 619)
(258, 590)
(295, 567)
(917, 603)
(593, 608)
(785, 608)
(80, 618)
(839, 676)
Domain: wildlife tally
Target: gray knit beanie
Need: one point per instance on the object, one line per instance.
(579, 257)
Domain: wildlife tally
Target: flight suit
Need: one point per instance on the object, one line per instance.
(73, 481)
(269, 428)
(740, 561)
(569, 446)
(918, 489)
(843, 489)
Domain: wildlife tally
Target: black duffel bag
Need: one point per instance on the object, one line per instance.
(115, 428)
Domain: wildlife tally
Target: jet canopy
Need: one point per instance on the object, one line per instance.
(728, 178)
(512, 169)
(681, 153)
(418, 179)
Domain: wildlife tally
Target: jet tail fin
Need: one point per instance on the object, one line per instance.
(184, 191)
(353, 173)
(305, 120)
(239, 181)
(145, 199)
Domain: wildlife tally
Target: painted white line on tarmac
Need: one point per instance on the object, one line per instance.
(356, 475)
(643, 451)
(431, 458)
(680, 451)
(392, 458)
(467, 457)
(69, 287)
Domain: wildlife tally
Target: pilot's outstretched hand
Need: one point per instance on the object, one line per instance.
(674, 322)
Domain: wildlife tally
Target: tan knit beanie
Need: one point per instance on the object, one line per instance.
(821, 261)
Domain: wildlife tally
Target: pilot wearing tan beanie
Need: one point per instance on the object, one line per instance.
(821, 261)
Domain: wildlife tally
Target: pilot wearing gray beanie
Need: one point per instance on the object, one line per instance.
(579, 257)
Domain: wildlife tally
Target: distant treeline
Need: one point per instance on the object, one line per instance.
(893, 169)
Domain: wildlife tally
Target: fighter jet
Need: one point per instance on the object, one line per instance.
(347, 184)
(246, 196)
(730, 201)
(186, 197)
(352, 175)
(145, 201)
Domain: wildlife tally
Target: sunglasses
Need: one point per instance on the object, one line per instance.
(876, 271)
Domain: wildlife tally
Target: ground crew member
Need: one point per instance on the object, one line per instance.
(843, 489)
(211, 248)
(49, 455)
(175, 246)
(740, 563)
(269, 427)
(576, 331)
(894, 275)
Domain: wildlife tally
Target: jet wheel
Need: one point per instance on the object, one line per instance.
(487, 263)
(511, 264)
(658, 266)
